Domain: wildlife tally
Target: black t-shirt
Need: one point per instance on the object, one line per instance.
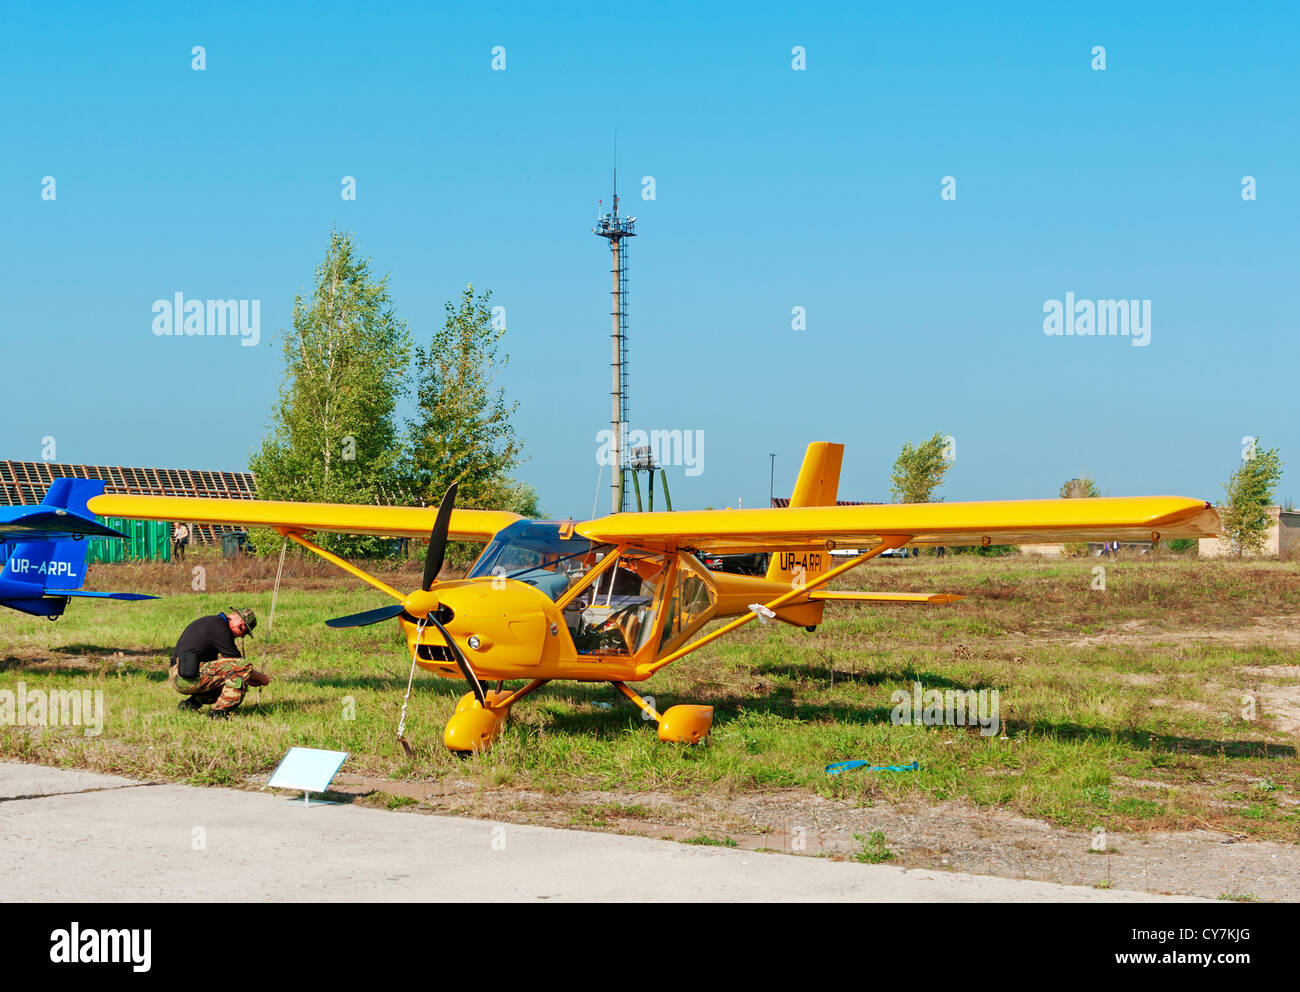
(208, 637)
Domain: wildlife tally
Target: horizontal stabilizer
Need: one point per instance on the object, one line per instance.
(887, 597)
(98, 595)
(40, 524)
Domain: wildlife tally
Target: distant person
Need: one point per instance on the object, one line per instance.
(208, 669)
(180, 538)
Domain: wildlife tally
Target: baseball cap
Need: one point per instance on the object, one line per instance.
(248, 616)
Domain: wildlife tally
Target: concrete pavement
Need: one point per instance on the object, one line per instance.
(76, 836)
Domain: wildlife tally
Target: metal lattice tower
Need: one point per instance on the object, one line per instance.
(615, 228)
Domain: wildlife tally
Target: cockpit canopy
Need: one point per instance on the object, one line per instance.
(536, 552)
(616, 612)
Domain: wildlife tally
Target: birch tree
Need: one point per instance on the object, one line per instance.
(332, 435)
(462, 430)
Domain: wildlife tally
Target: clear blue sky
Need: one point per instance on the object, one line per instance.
(775, 188)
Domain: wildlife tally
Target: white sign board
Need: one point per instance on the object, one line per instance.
(308, 769)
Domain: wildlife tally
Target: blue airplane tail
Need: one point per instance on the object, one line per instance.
(72, 494)
(40, 576)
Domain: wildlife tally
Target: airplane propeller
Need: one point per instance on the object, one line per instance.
(368, 617)
(423, 605)
(433, 560)
(438, 538)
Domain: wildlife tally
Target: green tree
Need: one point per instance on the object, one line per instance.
(1248, 494)
(332, 436)
(1082, 487)
(919, 471)
(462, 431)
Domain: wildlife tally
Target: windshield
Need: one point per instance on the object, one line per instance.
(535, 552)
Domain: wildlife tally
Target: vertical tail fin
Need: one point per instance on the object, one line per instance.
(42, 565)
(73, 495)
(48, 564)
(817, 485)
(60, 491)
(819, 476)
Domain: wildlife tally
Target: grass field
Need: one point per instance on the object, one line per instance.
(1126, 708)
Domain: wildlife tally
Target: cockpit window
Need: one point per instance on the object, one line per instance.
(616, 614)
(690, 606)
(535, 552)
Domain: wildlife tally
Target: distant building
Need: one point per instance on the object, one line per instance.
(1043, 550)
(1280, 540)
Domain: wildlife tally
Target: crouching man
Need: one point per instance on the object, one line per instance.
(207, 667)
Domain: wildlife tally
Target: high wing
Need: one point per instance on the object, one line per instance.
(305, 518)
(1146, 518)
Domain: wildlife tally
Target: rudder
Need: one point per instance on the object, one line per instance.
(818, 484)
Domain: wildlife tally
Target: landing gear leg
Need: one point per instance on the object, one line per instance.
(679, 724)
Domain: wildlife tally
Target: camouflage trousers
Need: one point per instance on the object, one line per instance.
(222, 683)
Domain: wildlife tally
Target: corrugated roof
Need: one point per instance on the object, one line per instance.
(25, 483)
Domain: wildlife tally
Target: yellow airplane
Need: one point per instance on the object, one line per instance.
(618, 598)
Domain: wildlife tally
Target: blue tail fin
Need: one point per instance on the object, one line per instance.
(72, 494)
(39, 576)
(49, 564)
(56, 564)
(60, 490)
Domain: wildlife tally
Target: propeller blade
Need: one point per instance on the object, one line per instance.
(438, 538)
(462, 663)
(368, 617)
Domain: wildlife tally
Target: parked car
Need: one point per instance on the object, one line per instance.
(747, 564)
(888, 553)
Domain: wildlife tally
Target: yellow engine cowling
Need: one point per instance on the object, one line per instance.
(509, 621)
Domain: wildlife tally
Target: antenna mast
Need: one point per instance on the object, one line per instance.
(615, 228)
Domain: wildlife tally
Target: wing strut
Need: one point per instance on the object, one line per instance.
(886, 543)
(348, 567)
